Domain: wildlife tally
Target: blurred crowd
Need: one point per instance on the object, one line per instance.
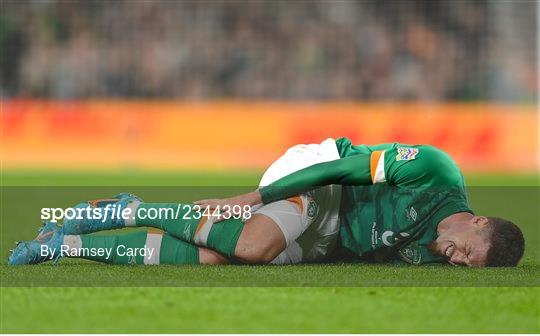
(280, 49)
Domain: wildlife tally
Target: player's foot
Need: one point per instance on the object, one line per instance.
(110, 210)
(45, 247)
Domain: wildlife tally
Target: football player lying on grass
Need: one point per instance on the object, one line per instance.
(317, 203)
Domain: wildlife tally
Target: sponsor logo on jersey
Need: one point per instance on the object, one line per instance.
(406, 153)
(411, 214)
(374, 235)
(389, 238)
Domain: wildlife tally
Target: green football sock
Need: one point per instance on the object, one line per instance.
(181, 221)
(143, 248)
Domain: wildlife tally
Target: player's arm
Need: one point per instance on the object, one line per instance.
(353, 170)
(407, 166)
(411, 166)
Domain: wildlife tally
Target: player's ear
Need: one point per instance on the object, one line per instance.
(480, 221)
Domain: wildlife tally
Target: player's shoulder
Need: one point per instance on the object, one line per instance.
(427, 161)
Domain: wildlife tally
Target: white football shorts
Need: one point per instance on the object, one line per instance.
(310, 221)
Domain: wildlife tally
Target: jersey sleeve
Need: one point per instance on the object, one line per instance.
(416, 167)
(406, 166)
(352, 170)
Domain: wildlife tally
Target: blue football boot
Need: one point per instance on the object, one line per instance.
(46, 246)
(108, 218)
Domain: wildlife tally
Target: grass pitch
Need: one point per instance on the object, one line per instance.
(85, 297)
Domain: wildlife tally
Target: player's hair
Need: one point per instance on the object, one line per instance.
(507, 243)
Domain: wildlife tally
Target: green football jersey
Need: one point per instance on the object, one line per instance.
(393, 198)
(415, 188)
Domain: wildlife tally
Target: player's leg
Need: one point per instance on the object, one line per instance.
(309, 237)
(148, 248)
(270, 236)
(299, 157)
(309, 226)
(100, 214)
(274, 228)
(260, 242)
(145, 248)
(257, 240)
(182, 221)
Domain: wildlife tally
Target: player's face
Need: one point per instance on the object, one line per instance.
(465, 245)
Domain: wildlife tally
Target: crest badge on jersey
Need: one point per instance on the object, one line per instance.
(312, 209)
(406, 153)
(411, 254)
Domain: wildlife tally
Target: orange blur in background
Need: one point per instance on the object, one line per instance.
(172, 135)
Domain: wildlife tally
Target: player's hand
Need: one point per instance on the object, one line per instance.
(226, 205)
(253, 198)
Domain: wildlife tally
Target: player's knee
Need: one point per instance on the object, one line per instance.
(261, 252)
(257, 255)
(260, 241)
(209, 257)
